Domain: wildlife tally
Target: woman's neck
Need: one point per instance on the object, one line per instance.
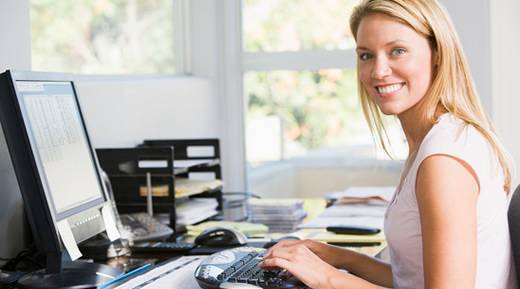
(415, 129)
(415, 126)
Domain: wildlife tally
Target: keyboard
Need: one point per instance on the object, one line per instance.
(240, 266)
(145, 227)
(161, 247)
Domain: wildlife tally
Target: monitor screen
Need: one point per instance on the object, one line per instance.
(59, 141)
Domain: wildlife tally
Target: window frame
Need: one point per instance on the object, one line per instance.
(234, 107)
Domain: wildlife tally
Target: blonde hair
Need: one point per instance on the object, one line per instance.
(452, 88)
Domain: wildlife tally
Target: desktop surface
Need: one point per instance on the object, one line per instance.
(246, 273)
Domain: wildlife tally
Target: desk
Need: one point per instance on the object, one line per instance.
(313, 207)
(184, 274)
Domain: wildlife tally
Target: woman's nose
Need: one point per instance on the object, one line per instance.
(381, 69)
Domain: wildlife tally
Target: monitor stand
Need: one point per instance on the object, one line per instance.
(74, 275)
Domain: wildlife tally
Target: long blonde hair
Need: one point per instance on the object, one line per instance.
(452, 88)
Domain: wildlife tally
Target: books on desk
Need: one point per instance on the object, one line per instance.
(279, 215)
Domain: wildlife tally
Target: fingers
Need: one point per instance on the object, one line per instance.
(300, 261)
(281, 257)
(283, 244)
(287, 253)
(275, 262)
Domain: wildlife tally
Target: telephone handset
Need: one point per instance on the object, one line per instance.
(136, 227)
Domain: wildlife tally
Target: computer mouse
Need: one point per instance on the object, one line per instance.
(273, 242)
(221, 237)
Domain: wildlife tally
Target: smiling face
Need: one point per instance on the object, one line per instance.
(395, 63)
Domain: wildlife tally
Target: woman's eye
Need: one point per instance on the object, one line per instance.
(364, 56)
(398, 51)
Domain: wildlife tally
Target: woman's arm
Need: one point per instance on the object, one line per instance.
(447, 192)
(371, 269)
(316, 265)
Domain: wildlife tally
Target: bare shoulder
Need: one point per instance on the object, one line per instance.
(443, 180)
(447, 173)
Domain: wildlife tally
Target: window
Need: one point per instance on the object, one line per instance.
(292, 25)
(311, 109)
(300, 87)
(103, 36)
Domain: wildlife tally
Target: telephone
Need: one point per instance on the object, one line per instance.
(136, 227)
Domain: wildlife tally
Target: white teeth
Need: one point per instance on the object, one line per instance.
(389, 88)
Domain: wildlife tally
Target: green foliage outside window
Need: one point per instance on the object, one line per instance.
(317, 108)
(292, 25)
(103, 36)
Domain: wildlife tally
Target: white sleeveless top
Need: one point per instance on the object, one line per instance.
(495, 270)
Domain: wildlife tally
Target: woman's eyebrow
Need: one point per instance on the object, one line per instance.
(386, 44)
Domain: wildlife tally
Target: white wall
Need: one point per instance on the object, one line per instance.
(472, 21)
(123, 112)
(506, 62)
(15, 53)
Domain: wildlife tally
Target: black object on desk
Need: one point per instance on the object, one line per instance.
(56, 216)
(9, 278)
(221, 237)
(353, 230)
(355, 244)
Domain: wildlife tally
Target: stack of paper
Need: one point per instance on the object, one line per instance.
(371, 195)
(186, 187)
(280, 215)
(196, 210)
(356, 206)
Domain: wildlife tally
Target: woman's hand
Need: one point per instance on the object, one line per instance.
(335, 256)
(297, 258)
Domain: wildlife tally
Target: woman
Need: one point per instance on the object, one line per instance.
(447, 224)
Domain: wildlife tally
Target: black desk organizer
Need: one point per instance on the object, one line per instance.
(127, 169)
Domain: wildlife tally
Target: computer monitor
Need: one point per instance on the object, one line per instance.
(54, 161)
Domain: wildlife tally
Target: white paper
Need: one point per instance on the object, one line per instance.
(177, 274)
(146, 164)
(110, 222)
(363, 192)
(68, 239)
(200, 151)
(202, 176)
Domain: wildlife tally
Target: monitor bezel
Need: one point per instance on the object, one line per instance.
(29, 134)
(42, 218)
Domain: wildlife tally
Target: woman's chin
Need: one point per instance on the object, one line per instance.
(390, 110)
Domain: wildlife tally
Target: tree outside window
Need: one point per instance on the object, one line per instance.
(103, 36)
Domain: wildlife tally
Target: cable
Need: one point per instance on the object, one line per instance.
(26, 255)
